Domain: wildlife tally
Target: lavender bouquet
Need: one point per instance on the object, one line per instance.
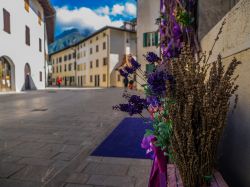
(187, 97)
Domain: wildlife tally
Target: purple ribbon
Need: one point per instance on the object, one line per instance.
(158, 175)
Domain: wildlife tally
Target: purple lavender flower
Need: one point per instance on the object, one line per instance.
(123, 73)
(152, 57)
(135, 105)
(153, 101)
(135, 64)
(130, 70)
(157, 82)
(139, 102)
(129, 108)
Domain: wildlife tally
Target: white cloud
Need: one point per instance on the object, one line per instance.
(117, 9)
(103, 10)
(130, 8)
(83, 18)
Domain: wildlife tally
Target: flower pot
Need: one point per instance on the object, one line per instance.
(174, 178)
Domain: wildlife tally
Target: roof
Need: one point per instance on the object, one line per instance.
(93, 34)
(50, 13)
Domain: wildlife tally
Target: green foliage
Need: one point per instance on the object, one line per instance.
(184, 18)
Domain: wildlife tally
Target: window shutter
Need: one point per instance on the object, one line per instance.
(150, 68)
(27, 35)
(27, 5)
(39, 18)
(156, 38)
(41, 76)
(145, 39)
(40, 45)
(6, 21)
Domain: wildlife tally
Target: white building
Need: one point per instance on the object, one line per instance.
(147, 30)
(26, 28)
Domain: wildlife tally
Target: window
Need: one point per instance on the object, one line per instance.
(65, 67)
(104, 45)
(104, 77)
(40, 44)
(84, 53)
(39, 18)
(119, 78)
(97, 63)
(27, 35)
(91, 64)
(53, 61)
(27, 5)
(91, 78)
(65, 58)
(60, 68)
(74, 66)
(151, 39)
(74, 55)
(60, 59)
(57, 69)
(53, 70)
(70, 56)
(91, 41)
(6, 21)
(90, 51)
(97, 38)
(104, 34)
(97, 48)
(104, 61)
(69, 67)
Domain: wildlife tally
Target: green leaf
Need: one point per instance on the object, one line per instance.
(149, 132)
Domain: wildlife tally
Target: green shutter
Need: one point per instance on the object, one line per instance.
(156, 39)
(150, 68)
(145, 39)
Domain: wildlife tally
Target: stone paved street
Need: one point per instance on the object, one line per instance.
(46, 138)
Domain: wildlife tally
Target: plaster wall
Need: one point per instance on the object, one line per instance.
(234, 152)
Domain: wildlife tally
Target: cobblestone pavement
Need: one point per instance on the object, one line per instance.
(105, 171)
(45, 136)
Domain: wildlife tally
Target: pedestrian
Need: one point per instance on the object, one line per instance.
(125, 82)
(131, 85)
(59, 82)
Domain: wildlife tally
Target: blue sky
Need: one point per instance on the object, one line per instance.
(90, 15)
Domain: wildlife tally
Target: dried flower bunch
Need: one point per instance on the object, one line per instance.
(188, 99)
(199, 113)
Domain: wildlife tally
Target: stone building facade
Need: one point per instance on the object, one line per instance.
(95, 59)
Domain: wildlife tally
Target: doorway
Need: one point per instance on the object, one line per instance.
(97, 80)
(27, 77)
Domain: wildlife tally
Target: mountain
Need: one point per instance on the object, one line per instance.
(65, 39)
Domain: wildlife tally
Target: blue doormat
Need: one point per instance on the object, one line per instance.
(125, 140)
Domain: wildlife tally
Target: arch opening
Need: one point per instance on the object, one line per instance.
(7, 74)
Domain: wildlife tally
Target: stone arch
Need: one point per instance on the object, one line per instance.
(7, 74)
